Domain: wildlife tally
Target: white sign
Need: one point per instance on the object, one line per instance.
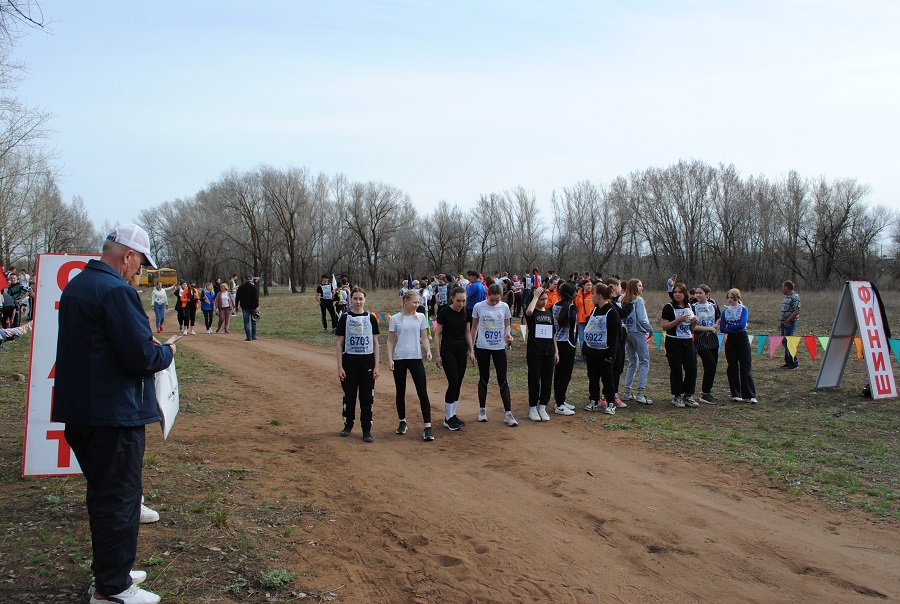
(859, 307)
(46, 451)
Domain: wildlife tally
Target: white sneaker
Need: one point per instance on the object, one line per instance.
(132, 595)
(627, 397)
(148, 516)
(753, 401)
(568, 406)
(185, 332)
(482, 415)
(533, 415)
(640, 398)
(193, 333)
(563, 410)
(690, 402)
(510, 420)
(544, 416)
(137, 577)
(737, 399)
(209, 331)
(678, 402)
(610, 409)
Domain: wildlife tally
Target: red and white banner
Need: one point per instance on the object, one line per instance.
(46, 451)
(859, 310)
(876, 348)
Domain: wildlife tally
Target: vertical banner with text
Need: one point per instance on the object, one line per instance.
(46, 450)
(859, 310)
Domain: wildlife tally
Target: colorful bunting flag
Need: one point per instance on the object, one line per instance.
(760, 344)
(658, 337)
(793, 343)
(721, 337)
(895, 346)
(774, 343)
(823, 342)
(859, 350)
(811, 345)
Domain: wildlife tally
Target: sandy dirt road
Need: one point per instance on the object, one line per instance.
(561, 511)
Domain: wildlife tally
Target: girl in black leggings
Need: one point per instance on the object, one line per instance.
(453, 343)
(492, 328)
(408, 333)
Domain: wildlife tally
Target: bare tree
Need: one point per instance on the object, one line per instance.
(372, 215)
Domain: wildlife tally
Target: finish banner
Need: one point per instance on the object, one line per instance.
(46, 451)
(860, 308)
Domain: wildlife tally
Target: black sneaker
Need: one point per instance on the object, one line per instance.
(459, 421)
(346, 431)
(708, 398)
(452, 424)
(401, 429)
(367, 438)
(428, 435)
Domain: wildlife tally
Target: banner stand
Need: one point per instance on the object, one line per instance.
(860, 308)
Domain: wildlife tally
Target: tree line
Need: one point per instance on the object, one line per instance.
(34, 218)
(707, 223)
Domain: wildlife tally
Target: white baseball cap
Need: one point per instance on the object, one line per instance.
(133, 236)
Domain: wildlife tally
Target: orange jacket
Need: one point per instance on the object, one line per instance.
(186, 297)
(585, 304)
(552, 297)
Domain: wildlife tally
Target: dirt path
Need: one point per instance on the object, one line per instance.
(563, 511)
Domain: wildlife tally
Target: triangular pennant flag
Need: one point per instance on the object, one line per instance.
(524, 329)
(774, 343)
(658, 337)
(811, 345)
(895, 346)
(823, 342)
(760, 344)
(721, 337)
(793, 343)
(434, 324)
(377, 316)
(858, 342)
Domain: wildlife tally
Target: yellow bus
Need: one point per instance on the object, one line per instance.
(166, 276)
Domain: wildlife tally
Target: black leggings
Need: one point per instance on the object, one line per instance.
(360, 378)
(454, 362)
(484, 358)
(710, 360)
(416, 369)
(207, 319)
(190, 315)
(540, 378)
(563, 374)
(682, 365)
(328, 305)
(179, 311)
(600, 369)
(740, 366)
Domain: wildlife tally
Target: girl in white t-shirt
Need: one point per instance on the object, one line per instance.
(492, 328)
(407, 334)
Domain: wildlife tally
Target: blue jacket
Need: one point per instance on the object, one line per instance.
(734, 319)
(105, 355)
(207, 298)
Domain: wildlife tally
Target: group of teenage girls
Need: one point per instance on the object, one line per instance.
(600, 321)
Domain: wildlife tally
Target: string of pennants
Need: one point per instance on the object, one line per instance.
(15, 331)
(811, 343)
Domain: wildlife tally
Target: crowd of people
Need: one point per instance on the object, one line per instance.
(603, 323)
(18, 297)
(216, 300)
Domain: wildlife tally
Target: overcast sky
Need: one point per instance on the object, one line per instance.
(154, 100)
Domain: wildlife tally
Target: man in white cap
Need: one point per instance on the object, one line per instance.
(106, 358)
